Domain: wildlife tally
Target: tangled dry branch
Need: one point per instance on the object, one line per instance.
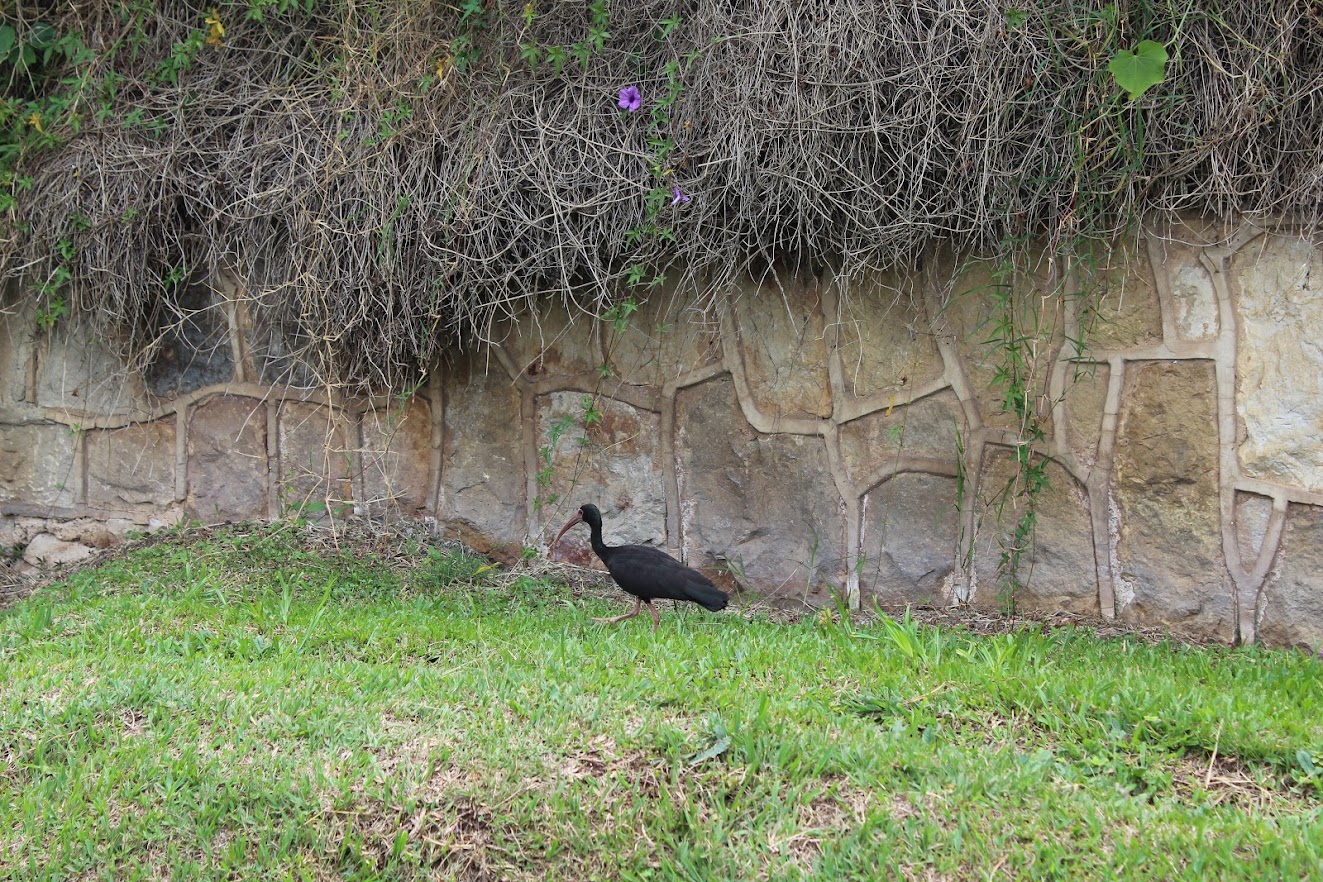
(379, 195)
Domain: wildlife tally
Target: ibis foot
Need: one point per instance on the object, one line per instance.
(638, 608)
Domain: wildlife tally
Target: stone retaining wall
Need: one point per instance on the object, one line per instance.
(803, 437)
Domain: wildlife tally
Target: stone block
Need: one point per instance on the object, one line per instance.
(1279, 363)
(928, 427)
(664, 339)
(883, 334)
(132, 466)
(782, 345)
(1057, 571)
(277, 345)
(18, 322)
(1084, 402)
(978, 306)
(46, 550)
(614, 463)
(313, 461)
(87, 531)
(77, 373)
(549, 341)
(763, 506)
(1124, 294)
(1168, 539)
(195, 350)
(40, 464)
(1176, 245)
(909, 538)
(396, 457)
(1193, 297)
(483, 479)
(1292, 601)
(227, 460)
(16, 532)
(1252, 515)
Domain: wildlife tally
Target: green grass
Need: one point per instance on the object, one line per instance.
(248, 706)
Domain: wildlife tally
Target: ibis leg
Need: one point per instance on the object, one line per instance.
(638, 608)
(656, 619)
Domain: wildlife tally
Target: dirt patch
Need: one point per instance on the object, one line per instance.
(1233, 782)
(604, 759)
(841, 807)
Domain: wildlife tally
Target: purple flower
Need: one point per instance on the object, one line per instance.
(630, 99)
(677, 197)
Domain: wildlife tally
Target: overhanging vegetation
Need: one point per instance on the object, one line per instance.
(386, 176)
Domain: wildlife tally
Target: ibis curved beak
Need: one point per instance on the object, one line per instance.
(577, 519)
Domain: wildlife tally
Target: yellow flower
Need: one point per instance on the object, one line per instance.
(35, 122)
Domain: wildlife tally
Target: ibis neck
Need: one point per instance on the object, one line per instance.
(599, 546)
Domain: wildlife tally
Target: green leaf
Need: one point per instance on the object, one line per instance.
(7, 37)
(1138, 71)
(556, 55)
(720, 746)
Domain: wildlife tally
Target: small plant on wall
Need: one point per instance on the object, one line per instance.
(1024, 331)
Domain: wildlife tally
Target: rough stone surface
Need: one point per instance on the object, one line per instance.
(1193, 297)
(972, 312)
(1128, 313)
(1057, 571)
(783, 347)
(17, 321)
(47, 550)
(79, 376)
(1279, 368)
(15, 532)
(762, 506)
(1165, 486)
(884, 338)
(909, 539)
(227, 460)
(195, 349)
(1292, 598)
(397, 457)
(275, 348)
(40, 464)
(120, 528)
(615, 463)
(87, 531)
(1084, 402)
(482, 474)
(548, 341)
(133, 466)
(1252, 514)
(927, 427)
(312, 460)
(663, 340)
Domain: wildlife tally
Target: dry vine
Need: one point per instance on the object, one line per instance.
(377, 192)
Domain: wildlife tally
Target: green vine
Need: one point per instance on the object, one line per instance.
(1016, 331)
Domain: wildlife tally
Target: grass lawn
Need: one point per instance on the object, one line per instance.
(252, 704)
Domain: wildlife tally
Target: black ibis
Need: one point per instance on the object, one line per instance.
(647, 573)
